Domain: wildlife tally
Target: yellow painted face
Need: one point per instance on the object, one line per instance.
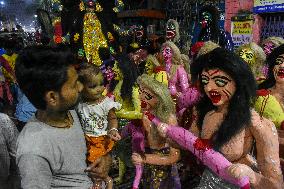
(248, 56)
(117, 73)
(149, 67)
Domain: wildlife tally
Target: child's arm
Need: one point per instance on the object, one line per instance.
(113, 125)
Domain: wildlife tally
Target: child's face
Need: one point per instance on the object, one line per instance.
(94, 88)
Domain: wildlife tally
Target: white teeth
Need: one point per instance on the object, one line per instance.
(214, 94)
(281, 71)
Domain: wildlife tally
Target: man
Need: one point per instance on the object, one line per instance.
(51, 149)
(9, 177)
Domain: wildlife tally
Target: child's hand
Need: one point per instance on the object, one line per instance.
(114, 135)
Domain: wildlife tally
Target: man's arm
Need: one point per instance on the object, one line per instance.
(35, 172)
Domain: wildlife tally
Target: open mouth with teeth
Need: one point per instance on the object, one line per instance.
(281, 73)
(214, 96)
(139, 34)
(170, 34)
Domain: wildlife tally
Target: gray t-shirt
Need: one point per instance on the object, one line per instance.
(50, 157)
(9, 178)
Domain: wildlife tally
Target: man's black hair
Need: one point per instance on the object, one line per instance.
(41, 69)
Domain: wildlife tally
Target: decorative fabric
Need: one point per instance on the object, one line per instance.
(94, 117)
(160, 176)
(98, 147)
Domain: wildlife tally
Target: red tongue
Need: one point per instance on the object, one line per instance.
(215, 99)
(143, 104)
(170, 34)
(281, 75)
(204, 24)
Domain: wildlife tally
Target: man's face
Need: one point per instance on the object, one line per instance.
(70, 91)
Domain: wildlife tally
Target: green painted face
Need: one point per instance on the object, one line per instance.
(171, 31)
(206, 16)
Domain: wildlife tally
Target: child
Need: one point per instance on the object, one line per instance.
(97, 115)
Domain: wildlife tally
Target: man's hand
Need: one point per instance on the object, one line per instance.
(99, 169)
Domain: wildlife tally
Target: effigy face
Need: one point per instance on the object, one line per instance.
(171, 31)
(149, 67)
(279, 69)
(248, 56)
(167, 53)
(138, 31)
(148, 99)
(218, 86)
(206, 19)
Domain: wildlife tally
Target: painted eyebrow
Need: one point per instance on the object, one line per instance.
(145, 92)
(148, 94)
(221, 77)
(213, 73)
(203, 75)
(280, 58)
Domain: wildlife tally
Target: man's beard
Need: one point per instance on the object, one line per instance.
(67, 106)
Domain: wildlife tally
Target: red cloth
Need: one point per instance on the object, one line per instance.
(262, 92)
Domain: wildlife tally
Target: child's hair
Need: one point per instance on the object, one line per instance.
(86, 71)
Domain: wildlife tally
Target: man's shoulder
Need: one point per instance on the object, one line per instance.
(34, 138)
(36, 133)
(7, 126)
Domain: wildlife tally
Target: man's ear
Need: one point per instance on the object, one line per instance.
(52, 98)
